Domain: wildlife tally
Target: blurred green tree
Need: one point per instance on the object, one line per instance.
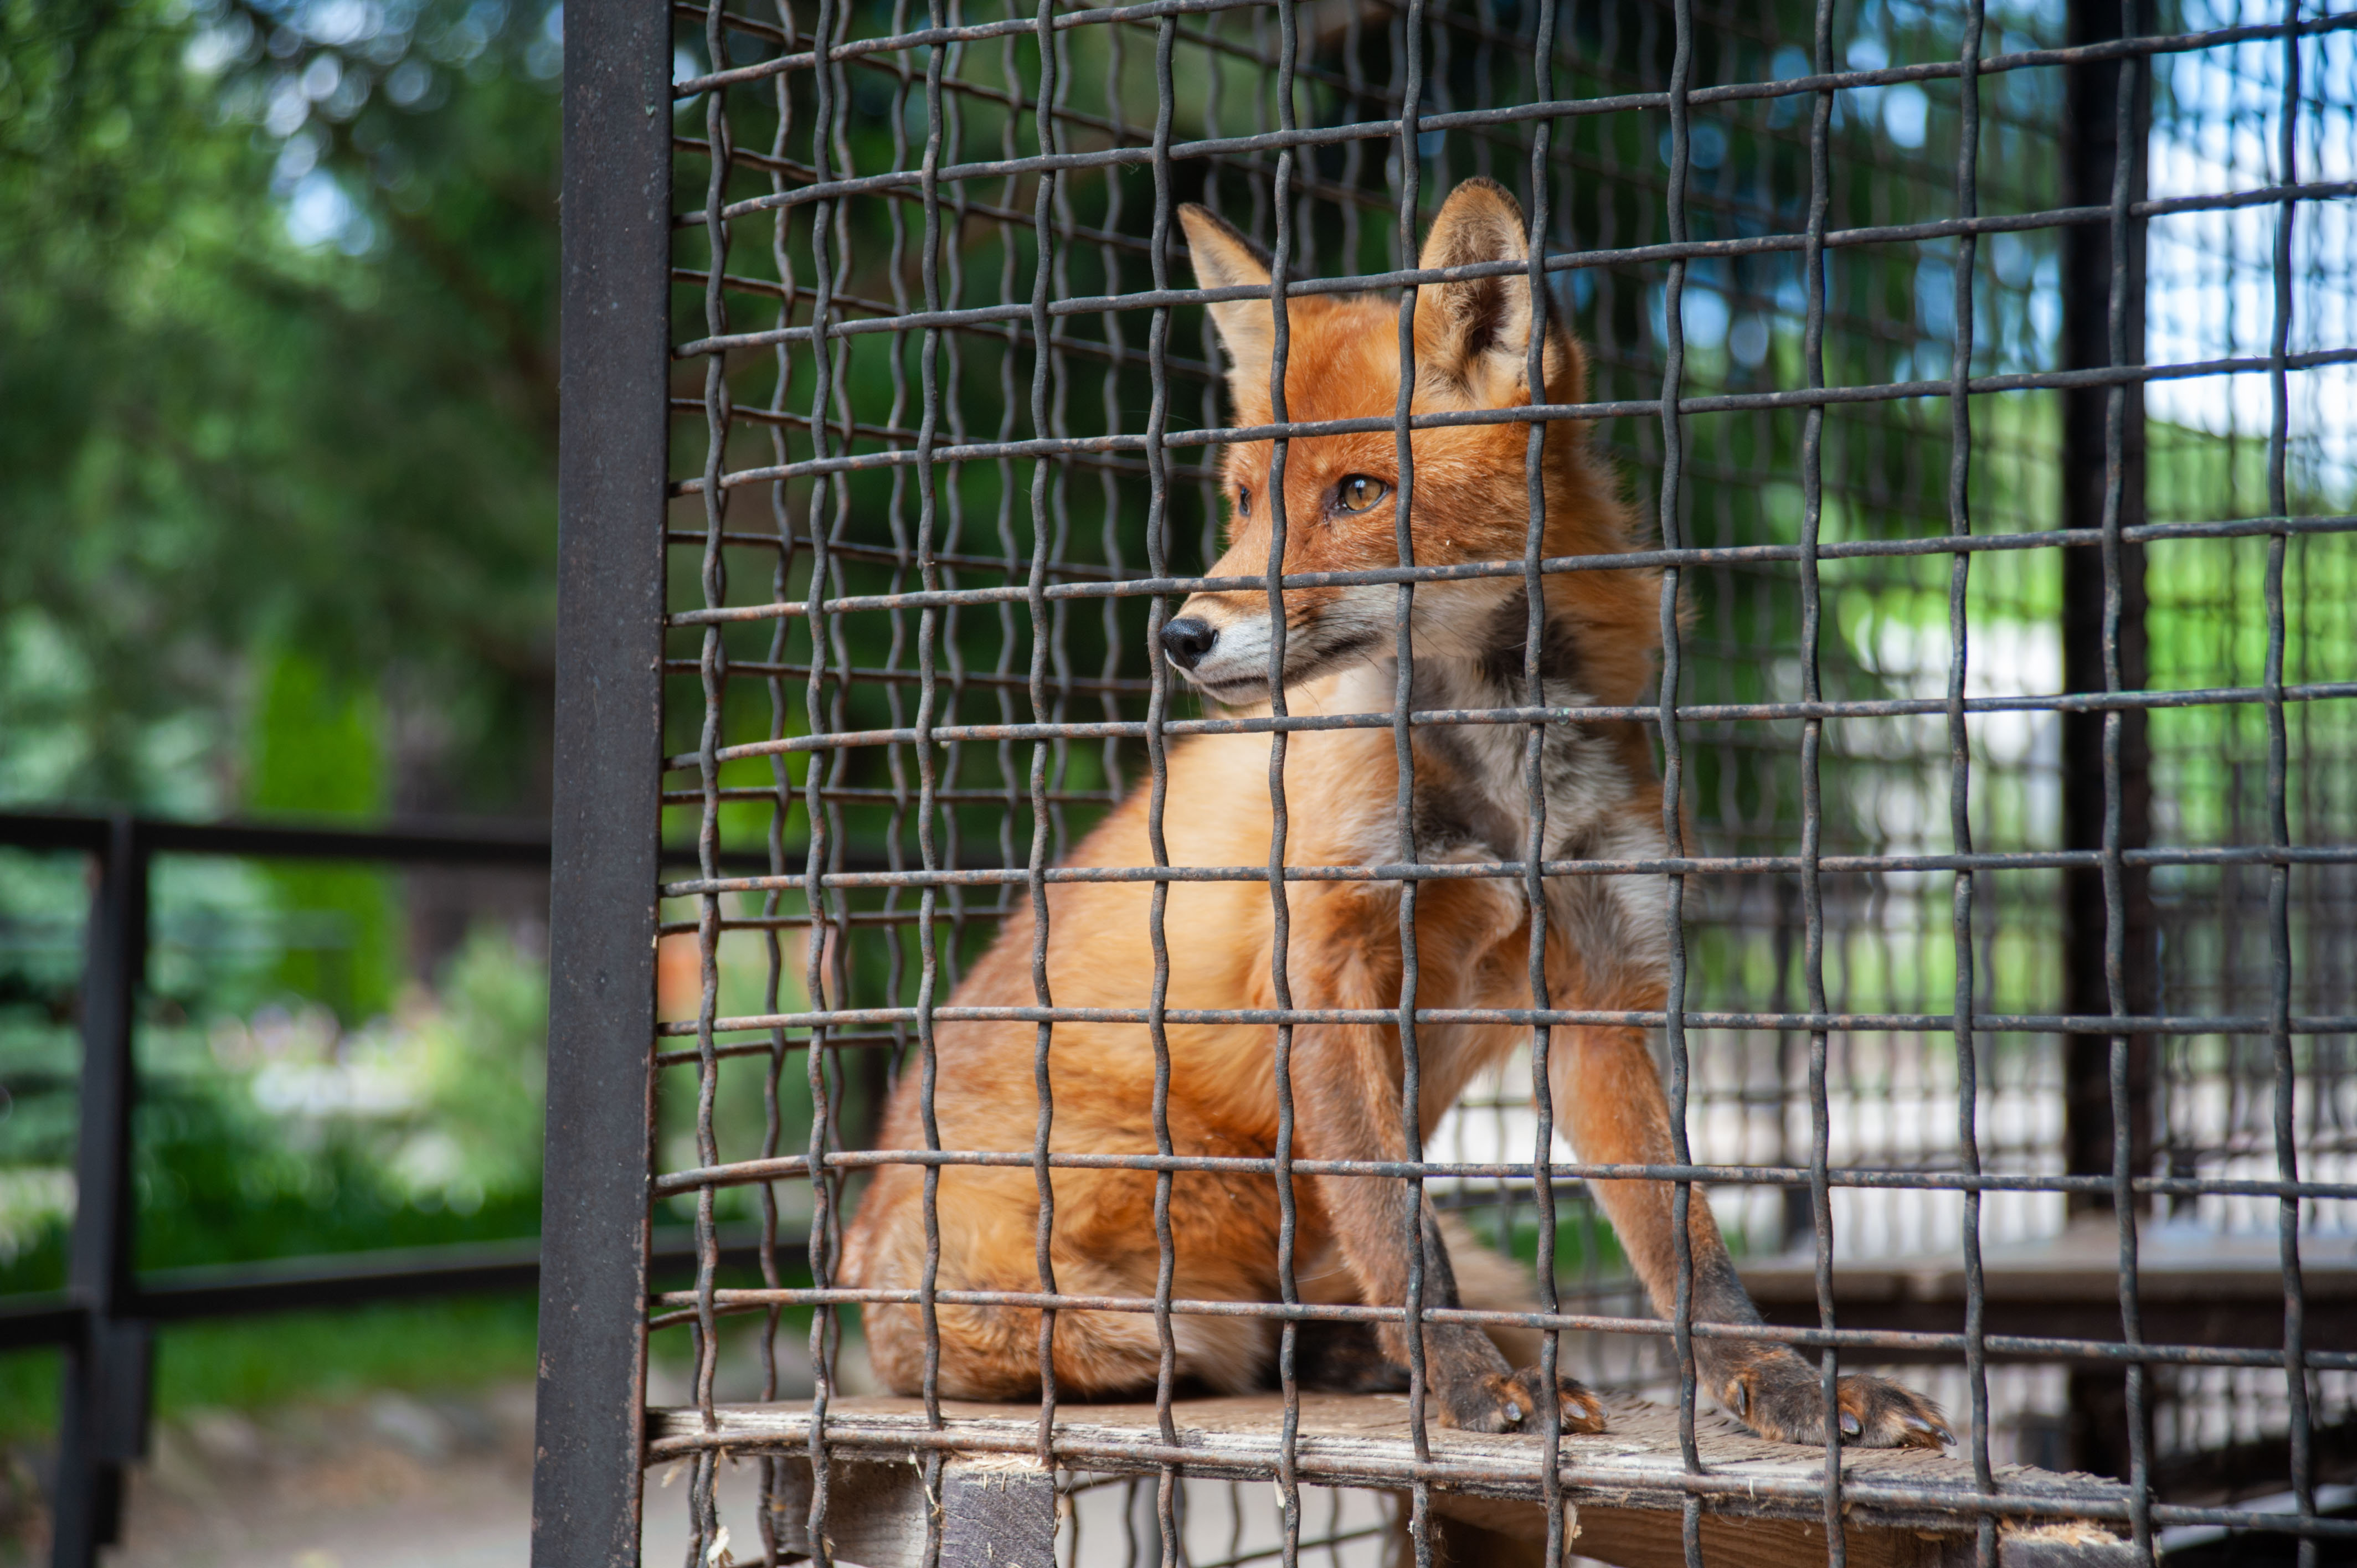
(277, 287)
(277, 535)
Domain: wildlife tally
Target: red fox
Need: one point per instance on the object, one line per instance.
(1605, 942)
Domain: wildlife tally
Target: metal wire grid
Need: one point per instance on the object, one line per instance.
(2213, 764)
(888, 422)
(2216, 1108)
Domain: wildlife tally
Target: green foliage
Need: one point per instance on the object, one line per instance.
(29, 1393)
(277, 430)
(315, 741)
(283, 1135)
(257, 1362)
(478, 1056)
(280, 374)
(324, 1355)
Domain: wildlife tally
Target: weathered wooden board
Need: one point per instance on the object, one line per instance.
(995, 1512)
(1513, 1535)
(1761, 1502)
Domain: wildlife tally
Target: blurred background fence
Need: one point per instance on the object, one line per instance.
(231, 1150)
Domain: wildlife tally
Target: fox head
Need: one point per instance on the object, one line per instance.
(1469, 494)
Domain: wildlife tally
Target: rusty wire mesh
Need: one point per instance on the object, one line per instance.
(2015, 888)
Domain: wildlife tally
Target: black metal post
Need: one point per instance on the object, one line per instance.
(103, 1405)
(608, 812)
(2091, 159)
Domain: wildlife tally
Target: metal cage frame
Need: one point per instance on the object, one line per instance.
(647, 609)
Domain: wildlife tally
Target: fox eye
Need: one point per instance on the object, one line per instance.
(1357, 493)
(1243, 501)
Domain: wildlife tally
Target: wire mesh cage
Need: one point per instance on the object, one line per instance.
(1966, 376)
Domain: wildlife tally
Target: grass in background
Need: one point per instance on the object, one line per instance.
(253, 1363)
(28, 1395)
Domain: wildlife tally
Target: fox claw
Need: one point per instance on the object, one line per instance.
(1780, 1397)
(1512, 1402)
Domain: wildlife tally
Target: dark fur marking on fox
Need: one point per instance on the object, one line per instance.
(1344, 1358)
(1477, 800)
(1503, 662)
(1326, 655)
(1453, 808)
(1439, 1278)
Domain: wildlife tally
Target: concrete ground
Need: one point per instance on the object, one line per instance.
(388, 1480)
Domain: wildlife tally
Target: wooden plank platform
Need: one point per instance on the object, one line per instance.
(2195, 1288)
(1761, 1502)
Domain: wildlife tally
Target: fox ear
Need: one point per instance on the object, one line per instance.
(1223, 258)
(1474, 335)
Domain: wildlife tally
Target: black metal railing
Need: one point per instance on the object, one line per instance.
(104, 1320)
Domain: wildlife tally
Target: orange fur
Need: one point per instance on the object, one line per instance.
(1605, 943)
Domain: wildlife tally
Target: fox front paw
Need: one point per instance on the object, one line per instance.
(1510, 1401)
(1780, 1397)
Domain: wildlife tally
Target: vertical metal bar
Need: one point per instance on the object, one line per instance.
(713, 679)
(896, 269)
(1550, 1401)
(2300, 1436)
(952, 538)
(829, 952)
(2092, 150)
(102, 1405)
(1960, 821)
(1288, 1478)
(2130, 1100)
(1010, 406)
(2100, 477)
(613, 457)
(1404, 754)
(1212, 392)
(1157, 536)
(1042, 546)
(1812, 909)
(775, 1469)
(928, 771)
(829, 259)
(1672, 537)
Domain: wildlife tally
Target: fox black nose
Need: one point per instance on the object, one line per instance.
(1187, 639)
